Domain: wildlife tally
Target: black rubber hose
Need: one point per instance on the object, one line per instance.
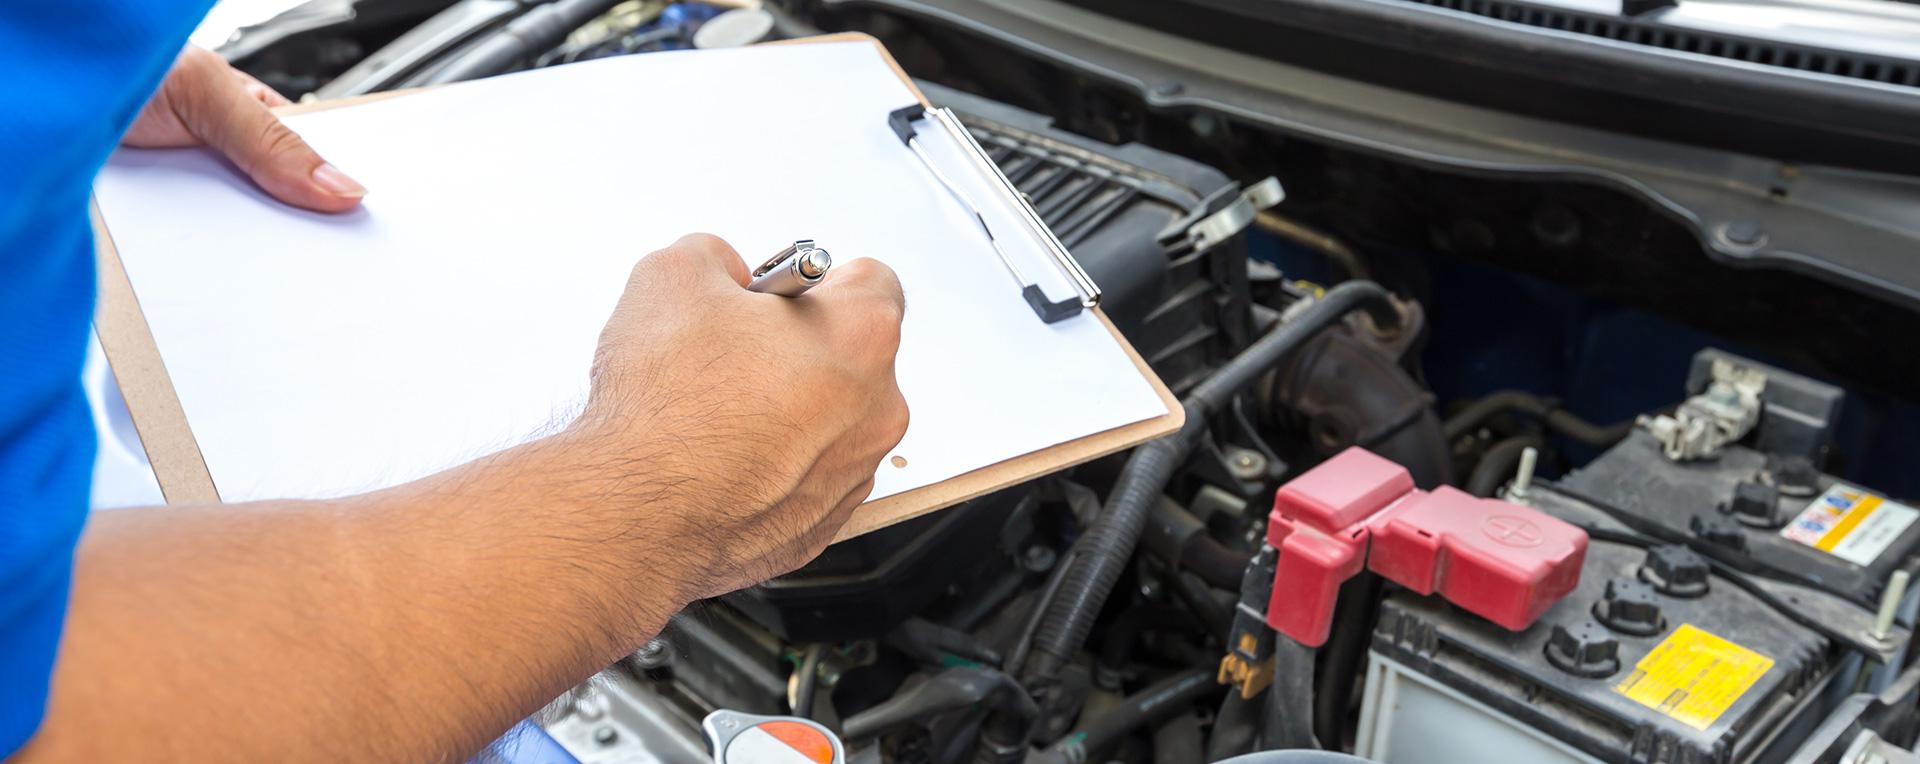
(1214, 562)
(932, 642)
(1564, 422)
(1549, 412)
(1349, 391)
(997, 595)
(1289, 717)
(1215, 616)
(521, 40)
(1233, 727)
(1175, 535)
(1017, 657)
(946, 691)
(786, 26)
(1162, 699)
(1344, 655)
(1119, 638)
(1104, 549)
(807, 678)
(1498, 464)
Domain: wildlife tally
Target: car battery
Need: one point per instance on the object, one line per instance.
(1760, 504)
(1654, 657)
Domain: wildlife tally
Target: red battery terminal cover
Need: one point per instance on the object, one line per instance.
(1504, 562)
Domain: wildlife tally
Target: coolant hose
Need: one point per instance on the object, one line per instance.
(946, 691)
(1101, 554)
(1158, 701)
(1557, 419)
(1176, 535)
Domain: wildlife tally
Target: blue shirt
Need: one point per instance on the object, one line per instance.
(73, 73)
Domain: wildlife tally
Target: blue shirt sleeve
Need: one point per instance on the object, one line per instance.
(73, 73)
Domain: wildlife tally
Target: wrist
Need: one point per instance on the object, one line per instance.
(594, 553)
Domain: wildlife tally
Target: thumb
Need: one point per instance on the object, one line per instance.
(238, 125)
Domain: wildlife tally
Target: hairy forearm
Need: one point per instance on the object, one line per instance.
(413, 624)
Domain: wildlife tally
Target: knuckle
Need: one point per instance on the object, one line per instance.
(279, 140)
(873, 273)
(670, 260)
(648, 262)
(858, 268)
(200, 60)
(896, 420)
(704, 243)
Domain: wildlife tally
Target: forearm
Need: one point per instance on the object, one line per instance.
(412, 624)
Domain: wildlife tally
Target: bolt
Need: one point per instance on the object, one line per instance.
(590, 706)
(1555, 226)
(1037, 559)
(653, 654)
(605, 735)
(1743, 233)
(1889, 605)
(1246, 464)
(1202, 125)
(1523, 480)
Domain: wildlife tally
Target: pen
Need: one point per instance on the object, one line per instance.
(793, 270)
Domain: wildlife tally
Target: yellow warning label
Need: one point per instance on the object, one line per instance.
(1694, 676)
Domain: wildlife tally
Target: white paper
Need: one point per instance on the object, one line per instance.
(456, 313)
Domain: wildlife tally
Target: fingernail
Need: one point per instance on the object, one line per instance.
(337, 183)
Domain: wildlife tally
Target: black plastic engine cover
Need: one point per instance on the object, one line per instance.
(864, 587)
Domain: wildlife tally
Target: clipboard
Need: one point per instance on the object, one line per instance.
(183, 476)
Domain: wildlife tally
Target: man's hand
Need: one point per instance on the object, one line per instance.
(204, 101)
(727, 437)
(758, 419)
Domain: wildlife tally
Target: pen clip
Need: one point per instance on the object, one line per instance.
(781, 257)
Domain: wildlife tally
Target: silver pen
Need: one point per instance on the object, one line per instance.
(792, 271)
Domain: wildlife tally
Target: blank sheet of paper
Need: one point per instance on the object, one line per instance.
(456, 313)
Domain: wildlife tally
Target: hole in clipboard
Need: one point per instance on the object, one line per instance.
(898, 462)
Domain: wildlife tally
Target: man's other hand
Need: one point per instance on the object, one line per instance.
(746, 426)
(204, 101)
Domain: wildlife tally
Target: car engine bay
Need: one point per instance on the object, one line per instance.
(1589, 349)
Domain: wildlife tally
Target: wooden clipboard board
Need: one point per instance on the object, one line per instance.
(184, 478)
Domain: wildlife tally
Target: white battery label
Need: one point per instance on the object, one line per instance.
(1850, 524)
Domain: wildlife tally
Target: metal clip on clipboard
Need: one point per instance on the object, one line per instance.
(1050, 311)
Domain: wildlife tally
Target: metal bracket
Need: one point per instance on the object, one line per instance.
(1214, 229)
